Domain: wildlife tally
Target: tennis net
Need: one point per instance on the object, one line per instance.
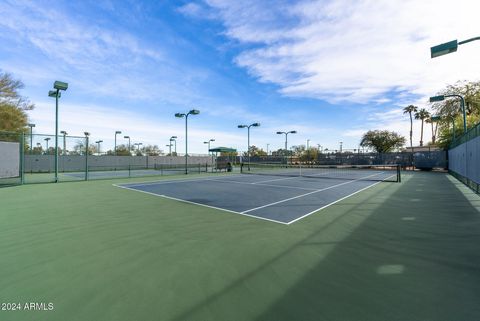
(387, 173)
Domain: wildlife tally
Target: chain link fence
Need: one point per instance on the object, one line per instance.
(30, 158)
(464, 156)
(425, 160)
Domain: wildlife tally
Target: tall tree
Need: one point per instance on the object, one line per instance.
(434, 128)
(151, 150)
(79, 148)
(255, 151)
(450, 110)
(382, 141)
(12, 105)
(122, 150)
(409, 110)
(422, 114)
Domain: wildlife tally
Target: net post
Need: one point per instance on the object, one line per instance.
(129, 171)
(399, 177)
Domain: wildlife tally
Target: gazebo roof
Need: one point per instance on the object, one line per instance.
(222, 150)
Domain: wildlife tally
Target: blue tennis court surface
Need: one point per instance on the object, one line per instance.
(278, 199)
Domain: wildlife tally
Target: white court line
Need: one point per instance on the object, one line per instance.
(306, 194)
(244, 212)
(208, 178)
(282, 186)
(200, 204)
(274, 180)
(341, 199)
(334, 202)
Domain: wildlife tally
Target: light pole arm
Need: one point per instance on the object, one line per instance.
(468, 40)
(462, 105)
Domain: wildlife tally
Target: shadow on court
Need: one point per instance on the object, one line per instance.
(406, 253)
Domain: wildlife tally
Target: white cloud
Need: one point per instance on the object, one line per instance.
(352, 51)
(66, 40)
(195, 10)
(102, 123)
(95, 59)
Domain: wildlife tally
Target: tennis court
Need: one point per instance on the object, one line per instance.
(395, 251)
(277, 193)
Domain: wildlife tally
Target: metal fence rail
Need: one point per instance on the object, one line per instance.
(30, 158)
(407, 160)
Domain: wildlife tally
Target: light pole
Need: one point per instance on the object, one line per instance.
(64, 133)
(46, 140)
(267, 148)
(129, 149)
(462, 105)
(448, 47)
(98, 146)
(248, 140)
(31, 136)
(341, 147)
(181, 115)
(87, 134)
(211, 140)
(138, 146)
(115, 146)
(286, 142)
(57, 85)
(169, 149)
(308, 141)
(173, 139)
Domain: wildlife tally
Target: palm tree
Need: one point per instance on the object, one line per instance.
(422, 114)
(409, 110)
(434, 131)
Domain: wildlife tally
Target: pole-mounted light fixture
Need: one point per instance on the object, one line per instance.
(31, 136)
(128, 137)
(118, 132)
(448, 47)
(46, 140)
(286, 141)
(98, 146)
(462, 105)
(208, 142)
(58, 86)
(64, 133)
(174, 140)
(181, 115)
(87, 145)
(248, 139)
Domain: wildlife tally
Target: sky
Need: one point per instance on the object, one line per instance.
(331, 70)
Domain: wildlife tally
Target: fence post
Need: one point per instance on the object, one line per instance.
(22, 159)
(86, 159)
